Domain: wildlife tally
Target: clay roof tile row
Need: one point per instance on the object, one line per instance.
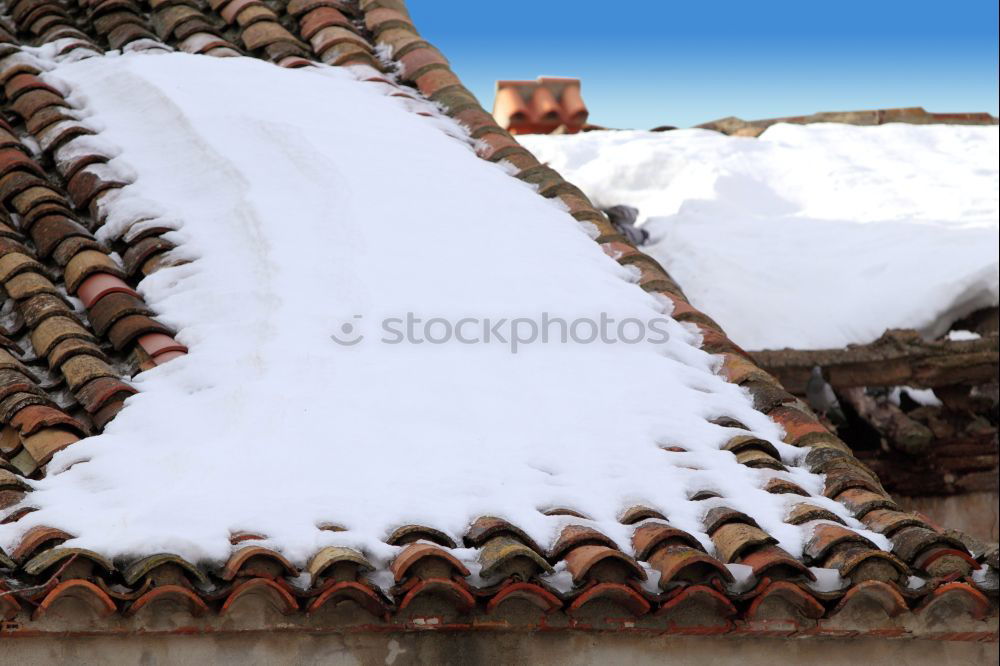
(67, 343)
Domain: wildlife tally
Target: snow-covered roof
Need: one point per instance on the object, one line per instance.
(810, 236)
(208, 394)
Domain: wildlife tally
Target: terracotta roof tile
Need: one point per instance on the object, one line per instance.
(166, 20)
(167, 356)
(299, 7)
(44, 443)
(338, 563)
(177, 594)
(87, 263)
(889, 521)
(363, 595)
(412, 533)
(651, 536)
(98, 285)
(90, 181)
(97, 393)
(575, 536)
(257, 562)
(601, 563)
(326, 38)
(679, 563)
(252, 14)
(794, 595)
(542, 106)
(127, 33)
(733, 540)
(80, 590)
(426, 561)
(323, 17)
(263, 34)
(508, 556)
(440, 588)
(108, 22)
(126, 330)
(486, 528)
(535, 595)
(230, 11)
(380, 19)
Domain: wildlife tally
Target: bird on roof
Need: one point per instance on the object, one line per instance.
(623, 219)
(821, 398)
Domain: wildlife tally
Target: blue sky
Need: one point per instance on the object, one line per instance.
(666, 62)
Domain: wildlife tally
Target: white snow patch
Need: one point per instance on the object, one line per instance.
(962, 336)
(560, 579)
(827, 580)
(925, 397)
(810, 236)
(743, 578)
(307, 198)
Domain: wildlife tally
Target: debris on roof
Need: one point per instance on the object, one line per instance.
(914, 115)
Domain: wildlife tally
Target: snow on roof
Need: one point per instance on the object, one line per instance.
(811, 236)
(306, 199)
(252, 223)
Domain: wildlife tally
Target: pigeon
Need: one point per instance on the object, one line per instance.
(623, 219)
(822, 399)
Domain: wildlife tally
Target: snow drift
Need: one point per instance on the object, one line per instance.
(310, 202)
(811, 236)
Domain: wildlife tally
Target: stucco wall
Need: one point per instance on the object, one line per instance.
(976, 514)
(397, 649)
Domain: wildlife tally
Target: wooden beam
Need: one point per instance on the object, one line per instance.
(902, 432)
(899, 357)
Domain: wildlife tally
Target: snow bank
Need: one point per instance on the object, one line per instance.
(306, 198)
(810, 236)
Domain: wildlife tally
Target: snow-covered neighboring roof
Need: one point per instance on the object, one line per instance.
(810, 236)
(218, 221)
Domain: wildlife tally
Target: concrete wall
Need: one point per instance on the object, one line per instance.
(398, 649)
